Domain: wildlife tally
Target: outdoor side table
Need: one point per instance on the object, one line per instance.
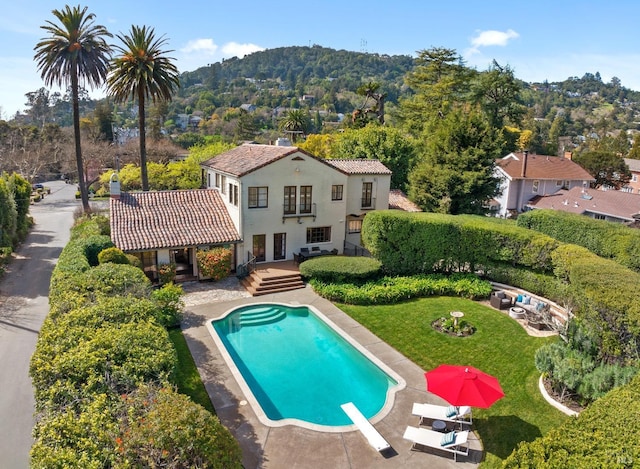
(439, 426)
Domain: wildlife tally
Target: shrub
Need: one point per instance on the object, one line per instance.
(340, 268)
(134, 261)
(215, 263)
(166, 273)
(394, 289)
(113, 255)
(93, 245)
(169, 304)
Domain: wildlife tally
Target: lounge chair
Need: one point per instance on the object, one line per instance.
(369, 431)
(441, 412)
(432, 439)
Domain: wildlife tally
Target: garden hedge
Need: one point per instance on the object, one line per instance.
(606, 239)
(103, 368)
(606, 434)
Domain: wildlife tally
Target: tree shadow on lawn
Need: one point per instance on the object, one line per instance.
(501, 433)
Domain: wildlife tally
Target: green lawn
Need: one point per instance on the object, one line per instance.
(187, 375)
(499, 347)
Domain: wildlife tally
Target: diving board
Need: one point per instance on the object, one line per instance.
(369, 431)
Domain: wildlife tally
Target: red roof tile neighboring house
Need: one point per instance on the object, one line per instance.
(605, 205)
(634, 184)
(524, 176)
(399, 201)
(359, 166)
(542, 167)
(154, 220)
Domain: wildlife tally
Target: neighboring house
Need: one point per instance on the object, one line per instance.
(633, 185)
(248, 107)
(281, 199)
(161, 227)
(524, 176)
(399, 201)
(613, 206)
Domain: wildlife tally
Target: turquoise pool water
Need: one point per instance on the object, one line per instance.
(298, 367)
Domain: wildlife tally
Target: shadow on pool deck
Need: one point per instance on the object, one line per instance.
(295, 447)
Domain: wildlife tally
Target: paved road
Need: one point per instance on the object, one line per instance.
(23, 307)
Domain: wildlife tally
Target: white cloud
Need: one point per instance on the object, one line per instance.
(200, 52)
(199, 46)
(491, 38)
(233, 49)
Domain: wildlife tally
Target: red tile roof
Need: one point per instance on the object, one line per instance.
(399, 201)
(170, 219)
(617, 204)
(248, 157)
(359, 166)
(543, 167)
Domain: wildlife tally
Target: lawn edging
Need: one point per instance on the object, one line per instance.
(553, 402)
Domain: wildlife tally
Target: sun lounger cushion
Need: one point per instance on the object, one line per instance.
(451, 411)
(448, 439)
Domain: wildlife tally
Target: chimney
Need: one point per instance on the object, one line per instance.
(114, 186)
(525, 155)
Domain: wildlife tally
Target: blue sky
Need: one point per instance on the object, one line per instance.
(539, 40)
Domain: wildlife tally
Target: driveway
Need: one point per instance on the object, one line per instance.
(23, 306)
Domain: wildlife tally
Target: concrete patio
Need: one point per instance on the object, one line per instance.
(296, 447)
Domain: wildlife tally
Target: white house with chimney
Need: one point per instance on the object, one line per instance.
(282, 199)
(524, 176)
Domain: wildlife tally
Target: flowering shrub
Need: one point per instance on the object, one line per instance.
(214, 263)
(167, 273)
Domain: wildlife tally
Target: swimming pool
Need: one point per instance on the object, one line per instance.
(297, 367)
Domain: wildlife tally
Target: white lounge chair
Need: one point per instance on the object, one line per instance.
(432, 439)
(369, 431)
(439, 412)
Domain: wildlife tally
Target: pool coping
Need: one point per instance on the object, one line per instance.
(257, 407)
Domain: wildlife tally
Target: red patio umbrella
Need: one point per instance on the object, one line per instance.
(464, 385)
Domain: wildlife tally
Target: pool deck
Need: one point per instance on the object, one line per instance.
(295, 447)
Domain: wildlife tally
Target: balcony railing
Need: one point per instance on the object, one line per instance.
(298, 211)
(367, 203)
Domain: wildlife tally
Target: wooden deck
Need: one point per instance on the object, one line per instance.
(272, 277)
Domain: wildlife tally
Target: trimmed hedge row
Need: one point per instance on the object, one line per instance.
(606, 239)
(389, 290)
(103, 370)
(606, 434)
(411, 243)
(340, 268)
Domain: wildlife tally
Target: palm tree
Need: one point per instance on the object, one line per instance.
(141, 71)
(296, 122)
(75, 51)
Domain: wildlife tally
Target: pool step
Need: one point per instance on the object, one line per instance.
(261, 316)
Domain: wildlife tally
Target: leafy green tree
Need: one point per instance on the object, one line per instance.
(498, 93)
(141, 71)
(8, 215)
(454, 172)
(634, 153)
(387, 144)
(607, 168)
(75, 50)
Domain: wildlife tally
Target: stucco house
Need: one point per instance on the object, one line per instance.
(282, 199)
(615, 206)
(524, 176)
(264, 202)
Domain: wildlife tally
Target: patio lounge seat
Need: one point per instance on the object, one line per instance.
(441, 412)
(433, 439)
(369, 431)
(500, 300)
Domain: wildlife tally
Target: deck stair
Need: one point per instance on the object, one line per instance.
(258, 317)
(270, 279)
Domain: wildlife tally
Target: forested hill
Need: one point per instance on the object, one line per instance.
(281, 76)
(298, 65)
